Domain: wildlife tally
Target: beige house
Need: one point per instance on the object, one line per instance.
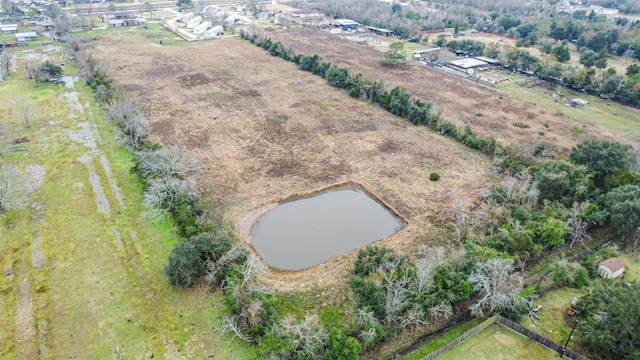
(611, 268)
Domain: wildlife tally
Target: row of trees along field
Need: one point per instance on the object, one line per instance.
(541, 206)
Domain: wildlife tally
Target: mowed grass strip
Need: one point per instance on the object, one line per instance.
(95, 291)
(497, 342)
(606, 114)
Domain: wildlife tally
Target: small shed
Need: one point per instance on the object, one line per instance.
(611, 268)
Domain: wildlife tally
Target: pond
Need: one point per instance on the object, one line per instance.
(306, 232)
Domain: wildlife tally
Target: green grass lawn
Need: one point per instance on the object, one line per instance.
(632, 273)
(496, 343)
(611, 115)
(553, 317)
(101, 285)
(432, 345)
(154, 33)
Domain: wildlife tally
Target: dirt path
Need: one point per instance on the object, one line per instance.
(26, 341)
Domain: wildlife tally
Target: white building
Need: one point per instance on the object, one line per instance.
(194, 22)
(213, 32)
(611, 268)
(202, 27)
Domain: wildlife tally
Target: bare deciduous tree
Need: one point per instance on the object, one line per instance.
(578, 228)
(214, 268)
(231, 324)
(465, 220)
(308, 335)
(164, 193)
(396, 284)
(173, 160)
(440, 311)
(520, 189)
(25, 110)
(497, 284)
(134, 129)
(250, 270)
(11, 188)
(429, 260)
(5, 62)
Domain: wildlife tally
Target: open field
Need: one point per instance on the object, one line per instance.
(488, 111)
(267, 131)
(599, 112)
(81, 265)
(496, 343)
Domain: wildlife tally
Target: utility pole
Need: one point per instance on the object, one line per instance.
(564, 348)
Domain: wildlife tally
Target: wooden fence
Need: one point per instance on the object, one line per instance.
(483, 325)
(539, 339)
(513, 326)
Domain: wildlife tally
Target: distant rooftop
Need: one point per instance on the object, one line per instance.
(468, 63)
(345, 22)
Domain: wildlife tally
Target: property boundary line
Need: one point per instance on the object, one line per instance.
(566, 353)
(540, 339)
(444, 348)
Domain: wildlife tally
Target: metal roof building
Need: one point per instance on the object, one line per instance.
(468, 63)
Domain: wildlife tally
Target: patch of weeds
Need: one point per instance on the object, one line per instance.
(521, 125)
(434, 176)
(478, 114)
(546, 125)
(541, 133)
(577, 131)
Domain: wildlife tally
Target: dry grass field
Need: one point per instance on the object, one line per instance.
(267, 131)
(487, 111)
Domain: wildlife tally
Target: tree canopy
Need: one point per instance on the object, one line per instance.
(395, 56)
(609, 320)
(601, 156)
(624, 206)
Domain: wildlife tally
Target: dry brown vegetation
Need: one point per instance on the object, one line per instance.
(487, 111)
(267, 131)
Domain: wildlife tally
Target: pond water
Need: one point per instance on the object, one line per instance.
(306, 232)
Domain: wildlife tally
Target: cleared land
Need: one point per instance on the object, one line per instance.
(497, 343)
(486, 110)
(267, 131)
(81, 265)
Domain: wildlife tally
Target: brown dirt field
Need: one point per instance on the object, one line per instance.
(488, 112)
(267, 131)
